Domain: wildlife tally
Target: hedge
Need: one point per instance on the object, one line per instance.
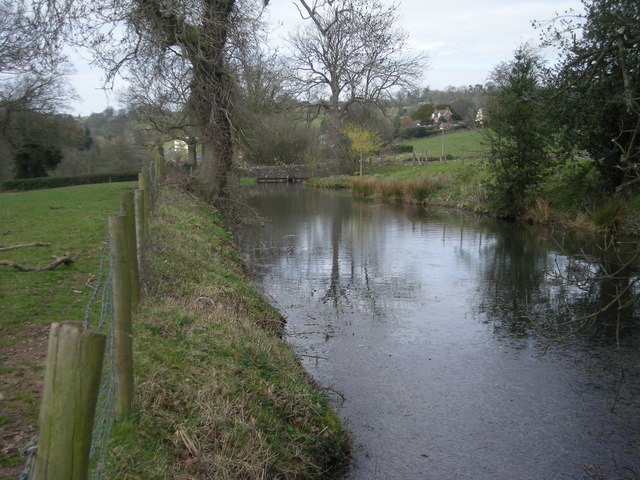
(55, 182)
(401, 148)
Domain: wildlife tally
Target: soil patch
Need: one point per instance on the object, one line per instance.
(22, 358)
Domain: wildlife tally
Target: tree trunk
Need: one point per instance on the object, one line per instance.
(217, 158)
(211, 90)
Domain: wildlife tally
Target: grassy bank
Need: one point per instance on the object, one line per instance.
(457, 183)
(218, 394)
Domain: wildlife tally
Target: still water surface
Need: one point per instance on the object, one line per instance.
(425, 328)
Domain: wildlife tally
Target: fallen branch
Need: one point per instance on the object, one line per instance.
(21, 245)
(67, 260)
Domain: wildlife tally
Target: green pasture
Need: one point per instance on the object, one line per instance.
(461, 145)
(70, 219)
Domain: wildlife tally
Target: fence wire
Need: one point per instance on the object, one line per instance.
(105, 406)
(98, 317)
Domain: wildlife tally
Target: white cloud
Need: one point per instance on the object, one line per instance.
(469, 37)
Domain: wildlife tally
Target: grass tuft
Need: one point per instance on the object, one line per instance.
(412, 191)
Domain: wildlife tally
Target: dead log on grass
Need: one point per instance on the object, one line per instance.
(22, 245)
(66, 259)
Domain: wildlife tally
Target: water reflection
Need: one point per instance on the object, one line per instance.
(433, 326)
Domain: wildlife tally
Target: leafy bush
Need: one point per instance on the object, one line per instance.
(574, 184)
(32, 159)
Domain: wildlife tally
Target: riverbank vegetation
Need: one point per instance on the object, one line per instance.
(559, 143)
(571, 197)
(219, 394)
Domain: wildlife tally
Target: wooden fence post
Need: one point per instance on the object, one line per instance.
(123, 342)
(143, 184)
(159, 170)
(71, 382)
(152, 172)
(127, 209)
(141, 223)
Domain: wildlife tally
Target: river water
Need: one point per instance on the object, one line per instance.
(431, 331)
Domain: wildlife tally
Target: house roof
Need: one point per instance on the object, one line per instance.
(438, 114)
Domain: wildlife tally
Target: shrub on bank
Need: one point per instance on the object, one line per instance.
(571, 197)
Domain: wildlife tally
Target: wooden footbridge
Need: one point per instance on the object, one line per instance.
(281, 179)
(277, 173)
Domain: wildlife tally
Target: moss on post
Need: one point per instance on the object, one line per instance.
(123, 342)
(72, 378)
(127, 209)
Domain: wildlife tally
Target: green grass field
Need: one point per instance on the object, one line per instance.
(462, 144)
(70, 219)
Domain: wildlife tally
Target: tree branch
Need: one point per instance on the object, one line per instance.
(66, 259)
(22, 245)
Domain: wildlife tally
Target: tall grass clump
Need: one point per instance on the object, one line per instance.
(220, 395)
(390, 189)
(412, 191)
(472, 196)
(610, 216)
(365, 186)
(539, 210)
(417, 191)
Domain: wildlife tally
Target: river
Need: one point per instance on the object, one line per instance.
(434, 332)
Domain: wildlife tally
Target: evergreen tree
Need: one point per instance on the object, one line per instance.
(517, 131)
(32, 159)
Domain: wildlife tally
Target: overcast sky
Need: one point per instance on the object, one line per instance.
(465, 39)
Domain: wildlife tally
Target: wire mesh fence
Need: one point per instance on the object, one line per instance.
(98, 317)
(105, 407)
(102, 317)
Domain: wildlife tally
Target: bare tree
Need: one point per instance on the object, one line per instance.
(184, 46)
(32, 75)
(350, 52)
(32, 69)
(30, 37)
(158, 94)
